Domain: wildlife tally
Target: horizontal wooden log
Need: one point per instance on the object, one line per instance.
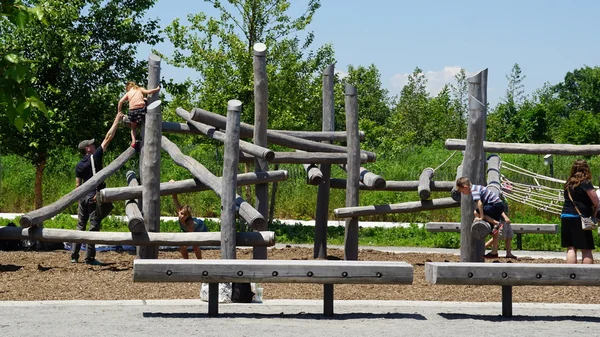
(368, 178)
(38, 216)
(512, 274)
(246, 211)
(274, 137)
(132, 210)
(321, 136)
(397, 186)
(189, 185)
(273, 271)
(317, 136)
(305, 158)
(517, 228)
(243, 239)
(559, 149)
(211, 132)
(405, 207)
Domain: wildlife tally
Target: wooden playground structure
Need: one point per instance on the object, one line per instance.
(314, 150)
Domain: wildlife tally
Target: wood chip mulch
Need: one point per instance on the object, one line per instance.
(33, 276)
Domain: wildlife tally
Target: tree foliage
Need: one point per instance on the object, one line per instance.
(220, 50)
(80, 61)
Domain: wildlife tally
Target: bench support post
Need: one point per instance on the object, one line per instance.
(213, 299)
(506, 301)
(519, 242)
(328, 300)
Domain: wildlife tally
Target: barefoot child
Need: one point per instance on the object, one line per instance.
(137, 105)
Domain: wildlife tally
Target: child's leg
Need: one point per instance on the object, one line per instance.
(198, 252)
(133, 126)
(495, 243)
(489, 242)
(508, 247)
(184, 252)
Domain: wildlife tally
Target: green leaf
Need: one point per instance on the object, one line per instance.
(37, 103)
(12, 58)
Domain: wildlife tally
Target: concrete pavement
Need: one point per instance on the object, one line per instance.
(294, 318)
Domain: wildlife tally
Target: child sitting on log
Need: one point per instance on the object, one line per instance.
(491, 209)
(187, 223)
(137, 105)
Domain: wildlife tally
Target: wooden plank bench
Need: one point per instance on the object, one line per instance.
(324, 272)
(518, 229)
(508, 275)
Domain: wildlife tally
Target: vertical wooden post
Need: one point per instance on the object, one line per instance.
(151, 176)
(493, 174)
(153, 81)
(353, 172)
(261, 112)
(471, 249)
(322, 212)
(229, 180)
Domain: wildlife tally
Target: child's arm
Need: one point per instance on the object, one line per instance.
(480, 208)
(175, 198)
(506, 219)
(149, 91)
(121, 101)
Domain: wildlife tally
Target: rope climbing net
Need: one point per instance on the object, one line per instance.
(536, 194)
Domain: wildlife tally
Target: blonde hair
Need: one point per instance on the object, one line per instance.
(463, 181)
(131, 85)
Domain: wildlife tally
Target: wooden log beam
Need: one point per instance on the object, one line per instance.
(305, 158)
(314, 176)
(275, 137)
(398, 186)
(210, 131)
(424, 183)
(353, 172)
(243, 239)
(517, 228)
(405, 207)
(321, 136)
(135, 218)
(512, 274)
(522, 148)
(480, 229)
(246, 211)
(188, 185)
(369, 178)
(273, 271)
(493, 174)
(316, 136)
(38, 216)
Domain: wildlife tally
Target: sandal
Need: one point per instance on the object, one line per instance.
(490, 256)
(511, 257)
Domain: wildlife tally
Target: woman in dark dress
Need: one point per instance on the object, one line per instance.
(579, 188)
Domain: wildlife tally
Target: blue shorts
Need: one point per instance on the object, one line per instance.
(494, 210)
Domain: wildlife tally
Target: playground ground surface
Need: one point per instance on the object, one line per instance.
(43, 276)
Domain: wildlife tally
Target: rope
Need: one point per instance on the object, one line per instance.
(442, 164)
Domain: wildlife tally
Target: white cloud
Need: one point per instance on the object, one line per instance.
(435, 79)
(341, 74)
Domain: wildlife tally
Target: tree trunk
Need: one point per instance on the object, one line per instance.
(39, 178)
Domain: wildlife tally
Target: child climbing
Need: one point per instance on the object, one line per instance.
(137, 105)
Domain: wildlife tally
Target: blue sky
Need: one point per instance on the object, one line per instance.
(546, 38)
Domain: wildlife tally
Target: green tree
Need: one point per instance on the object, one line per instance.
(408, 119)
(220, 50)
(374, 103)
(80, 62)
(504, 122)
(460, 98)
(17, 96)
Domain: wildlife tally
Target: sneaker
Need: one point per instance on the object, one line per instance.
(74, 261)
(94, 262)
(490, 256)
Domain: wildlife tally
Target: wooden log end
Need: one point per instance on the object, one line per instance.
(269, 155)
(424, 194)
(26, 221)
(136, 225)
(315, 180)
(258, 224)
(480, 229)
